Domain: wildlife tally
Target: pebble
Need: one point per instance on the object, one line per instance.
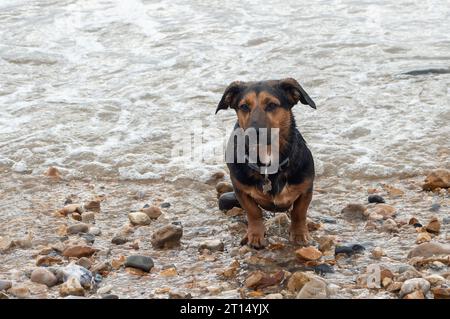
(441, 292)
(19, 291)
(167, 236)
(224, 187)
(258, 280)
(394, 286)
(119, 240)
(95, 231)
(144, 263)
(414, 284)
(326, 243)
(93, 205)
(439, 178)
(139, 218)
(79, 251)
(89, 238)
(446, 220)
(316, 288)
(390, 225)
(378, 252)
(179, 295)
(228, 200)
(423, 238)
(322, 269)
(436, 280)
(53, 172)
(84, 262)
(77, 228)
(429, 249)
(376, 199)
(5, 284)
(153, 211)
(308, 253)
(235, 211)
(48, 261)
(71, 208)
(434, 226)
(349, 249)
(165, 205)
(101, 267)
(83, 275)
(104, 290)
(77, 216)
(297, 281)
(110, 297)
(274, 296)
(435, 208)
(44, 276)
(354, 212)
(417, 294)
(212, 245)
(71, 287)
(384, 210)
(88, 217)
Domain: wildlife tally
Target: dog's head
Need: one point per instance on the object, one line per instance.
(265, 105)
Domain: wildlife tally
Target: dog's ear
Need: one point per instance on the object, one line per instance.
(295, 92)
(230, 94)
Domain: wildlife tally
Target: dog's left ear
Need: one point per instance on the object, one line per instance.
(228, 98)
(295, 92)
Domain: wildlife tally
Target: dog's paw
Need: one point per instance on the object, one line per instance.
(300, 236)
(255, 237)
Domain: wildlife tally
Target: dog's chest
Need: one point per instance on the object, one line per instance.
(282, 199)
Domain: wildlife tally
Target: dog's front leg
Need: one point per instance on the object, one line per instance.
(299, 229)
(255, 229)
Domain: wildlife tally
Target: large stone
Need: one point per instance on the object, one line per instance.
(429, 249)
(414, 284)
(139, 218)
(316, 288)
(44, 276)
(167, 236)
(440, 178)
(71, 287)
(79, 251)
(144, 263)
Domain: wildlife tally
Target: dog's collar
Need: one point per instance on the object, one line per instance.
(263, 168)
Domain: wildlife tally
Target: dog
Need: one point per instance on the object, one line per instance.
(268, 105)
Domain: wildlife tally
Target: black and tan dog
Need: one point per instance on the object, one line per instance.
(268, 104)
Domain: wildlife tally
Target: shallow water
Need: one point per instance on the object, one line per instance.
(105, 90)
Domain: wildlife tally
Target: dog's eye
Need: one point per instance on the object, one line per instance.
(271, 107)
(244, 108)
